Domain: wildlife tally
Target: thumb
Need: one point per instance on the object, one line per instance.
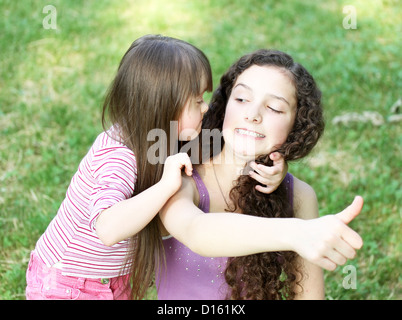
(351, 212)
(277, 159)
(276, 156)
(188, 166)
(279, 163)
(189, 169)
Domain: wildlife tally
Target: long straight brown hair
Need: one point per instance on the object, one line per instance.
(156, 77)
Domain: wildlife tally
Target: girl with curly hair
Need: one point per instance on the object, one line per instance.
(265, 103)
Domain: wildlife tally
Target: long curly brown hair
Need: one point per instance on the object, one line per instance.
(270, 275)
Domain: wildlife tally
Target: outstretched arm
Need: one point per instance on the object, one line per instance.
(232, 234)
(221, 234)
(126, 218)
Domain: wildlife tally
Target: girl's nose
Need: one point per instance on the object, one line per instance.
(253, 115)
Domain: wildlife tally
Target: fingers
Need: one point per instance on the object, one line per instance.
(269, 177)
(279, 161)
(351, 211)
(335, 256)
(267, 186)
(352, 238)
(265, 172)
(345, 250)
(332, 244)
(346, 216)
(266, 189)
(338, 252)
(326, 264)
(179, 161)
(348, 235)
(275, 156)
(343, 244)
(260, 174)
(186, 162)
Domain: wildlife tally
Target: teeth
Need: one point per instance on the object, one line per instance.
(250, 133)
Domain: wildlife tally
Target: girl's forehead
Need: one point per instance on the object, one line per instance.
(267, 80)
(203, 85)
(256, 73)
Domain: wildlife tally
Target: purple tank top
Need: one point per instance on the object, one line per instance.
(189, 276)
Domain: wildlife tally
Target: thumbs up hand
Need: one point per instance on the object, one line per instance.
(328, 241)
(352, 211)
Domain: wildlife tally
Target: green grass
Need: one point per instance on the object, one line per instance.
(53, 82)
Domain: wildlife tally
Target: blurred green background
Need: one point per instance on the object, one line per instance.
(53, 81)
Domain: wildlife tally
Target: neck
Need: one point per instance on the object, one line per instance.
(230, 168)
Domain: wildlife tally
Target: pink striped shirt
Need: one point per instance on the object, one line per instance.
(105, 176)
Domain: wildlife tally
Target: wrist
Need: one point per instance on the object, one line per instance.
(164, 189)
(278, 234)
(292, 235)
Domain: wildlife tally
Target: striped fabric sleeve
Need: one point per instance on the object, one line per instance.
(114, 170)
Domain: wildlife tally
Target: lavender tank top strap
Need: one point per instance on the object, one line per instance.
(202, 191)
(289, 187)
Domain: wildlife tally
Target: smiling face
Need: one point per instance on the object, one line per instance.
(260, 112)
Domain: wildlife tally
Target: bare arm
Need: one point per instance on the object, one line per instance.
(231, 234)
(222, 234)
(128, 217)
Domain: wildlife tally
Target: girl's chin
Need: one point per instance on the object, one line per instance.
(249, 154)
(239, 155)
(242, 157)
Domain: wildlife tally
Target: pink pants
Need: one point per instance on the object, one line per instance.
(44, 283)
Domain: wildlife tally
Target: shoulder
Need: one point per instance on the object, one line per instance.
(189, 189)
(108, 157)
(110, 141)
(305, 200)
(107, 150)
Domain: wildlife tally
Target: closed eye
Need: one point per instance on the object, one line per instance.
(274, 110)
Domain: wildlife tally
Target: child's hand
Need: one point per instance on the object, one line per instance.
(172, 170)
(271, 177)
(328, 241)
